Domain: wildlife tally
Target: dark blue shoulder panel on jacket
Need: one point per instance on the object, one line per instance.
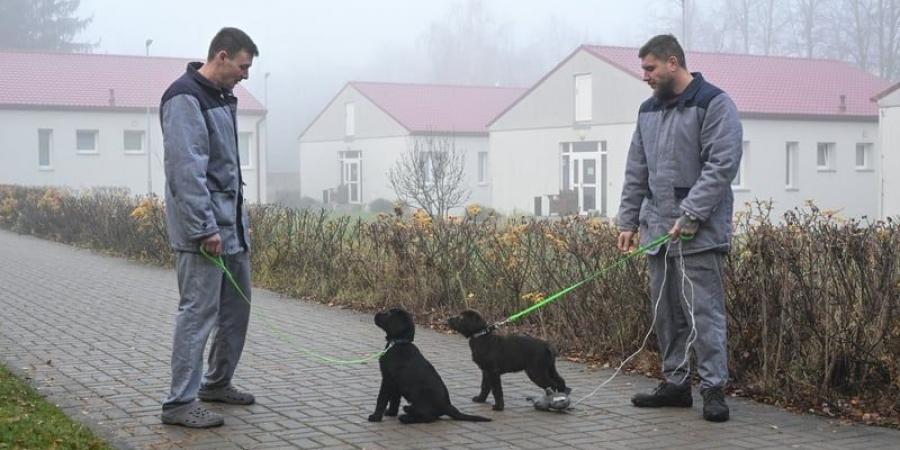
(185, 84)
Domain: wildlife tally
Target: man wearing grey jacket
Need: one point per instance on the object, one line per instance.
(205, 209)
(685, 152)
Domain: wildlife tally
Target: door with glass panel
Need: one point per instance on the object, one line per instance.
(351, 175)
(584, 172)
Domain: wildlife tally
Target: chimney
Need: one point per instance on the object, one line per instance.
(112, 97)
(843, 106)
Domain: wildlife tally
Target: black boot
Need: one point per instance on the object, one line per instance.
(714, 407)
(666, 394)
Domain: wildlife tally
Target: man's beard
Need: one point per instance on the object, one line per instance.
(665, 89)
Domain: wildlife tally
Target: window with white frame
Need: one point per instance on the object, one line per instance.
(482, 167)
(825, 156)
(45, 145)
(740, 179)
(350, 119)
(863, 155)
(791, 151)
(86, 141)
(583, 98)
(133, 141)
(245, 143)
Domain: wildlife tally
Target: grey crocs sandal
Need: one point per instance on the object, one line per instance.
(192, 415)
(226, 394)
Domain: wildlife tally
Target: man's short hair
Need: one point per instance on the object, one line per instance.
(662, 47)
(232, 40)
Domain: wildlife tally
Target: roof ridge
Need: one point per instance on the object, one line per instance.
(111, 55)
(412, 84)
(751, 55)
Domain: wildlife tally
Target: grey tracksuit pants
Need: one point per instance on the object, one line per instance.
(209, 305)
(673, 321)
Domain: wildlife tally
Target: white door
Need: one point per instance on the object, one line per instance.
(583, 173)
(351, 177)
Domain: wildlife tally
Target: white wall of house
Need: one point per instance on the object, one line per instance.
(527, 163)
(616, 97)
(109, 164)
(526, 160)
(380, 140)
(370, 120)
(320, 166)
(843, 186)
(889, 129)
(526, 140)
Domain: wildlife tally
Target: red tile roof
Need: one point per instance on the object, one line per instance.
(774, 85)
(83, 81)
(424, 108)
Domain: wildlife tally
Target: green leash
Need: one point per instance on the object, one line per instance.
(218, 262)
(639, 251)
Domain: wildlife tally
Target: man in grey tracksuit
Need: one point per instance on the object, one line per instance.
(205, 209)
(684, 154)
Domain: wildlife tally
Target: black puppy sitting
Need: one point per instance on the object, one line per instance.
(496, 355)
(406, 373)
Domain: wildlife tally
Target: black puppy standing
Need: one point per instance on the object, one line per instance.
(496, 355)
(406, 373)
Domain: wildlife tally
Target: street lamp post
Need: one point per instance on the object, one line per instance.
(260, 168)
(149, 131)
(266, 102)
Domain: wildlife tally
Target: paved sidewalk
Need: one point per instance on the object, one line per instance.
(94, 334)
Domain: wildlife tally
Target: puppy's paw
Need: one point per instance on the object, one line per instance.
(497, 407)
(375, 418)
(479, 399)
(391, 413)
(405, 418)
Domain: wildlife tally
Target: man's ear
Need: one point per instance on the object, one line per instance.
(221, 56)
(672, 63)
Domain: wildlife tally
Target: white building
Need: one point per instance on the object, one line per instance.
(889, 131)
(348, 150)
(83, 120)
(810, 132)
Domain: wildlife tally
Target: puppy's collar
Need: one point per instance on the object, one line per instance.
(490, 329)
(394, 342)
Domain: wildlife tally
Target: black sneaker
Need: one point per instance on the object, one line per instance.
(714, 407)
(666, 394)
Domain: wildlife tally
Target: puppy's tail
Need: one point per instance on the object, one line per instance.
(456, 415)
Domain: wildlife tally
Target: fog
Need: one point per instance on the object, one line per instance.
(807, 89)
(312, 48)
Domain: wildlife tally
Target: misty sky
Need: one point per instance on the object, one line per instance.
(311, 48)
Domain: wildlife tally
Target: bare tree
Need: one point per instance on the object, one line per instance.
(889, 38)
(807, 27)
(867, 34)
(469, 47)
(741, 17)
(697, 25)
(431, 175)
(773, 20)
(856, 31)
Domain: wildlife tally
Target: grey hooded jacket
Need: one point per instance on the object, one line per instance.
(204, 189)
(683, 158)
